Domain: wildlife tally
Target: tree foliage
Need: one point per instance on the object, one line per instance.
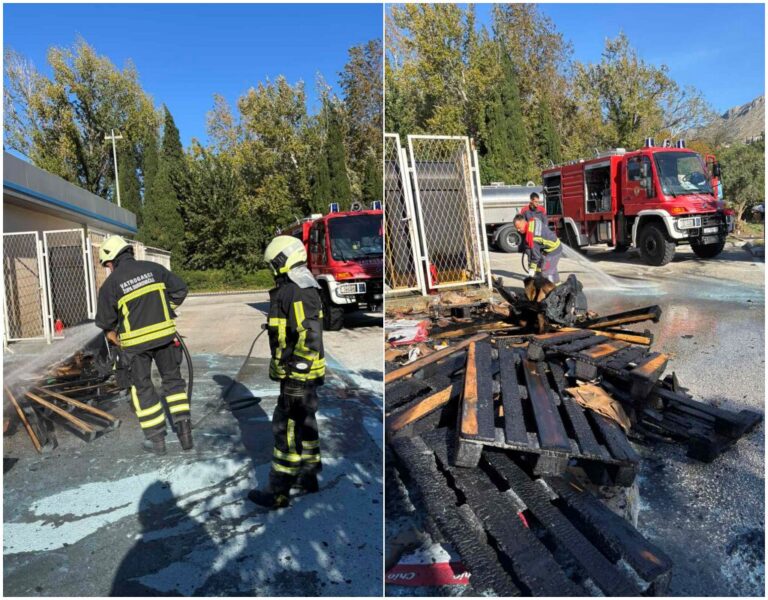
(743, 176)
(445, 75)
(59, 122)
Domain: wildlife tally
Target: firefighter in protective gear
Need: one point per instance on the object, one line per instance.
(136, 309)
(542, 246)
(295, 329)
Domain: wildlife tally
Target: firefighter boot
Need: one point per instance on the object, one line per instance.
(307, 484)
(268, 499)
(184, 431)
(155, 444)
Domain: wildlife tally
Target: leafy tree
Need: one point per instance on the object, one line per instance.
(59, 122)
(548, 138)
(504, 149)
(373, 184)
(321, 185)
(335, 153)
(162, 226)
(361, 82)
(130, 187)
(743, 176)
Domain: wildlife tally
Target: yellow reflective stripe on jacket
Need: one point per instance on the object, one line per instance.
(291, 436)
(147, 289)
(176, 397)
(137, 407)
(176, 408)
(547, 245)
(126, 322)
(146, 330)
(281, 325)
(310, 444)
(310, 458)
(169, 329)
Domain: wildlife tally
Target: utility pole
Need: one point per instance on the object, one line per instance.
(114, 137)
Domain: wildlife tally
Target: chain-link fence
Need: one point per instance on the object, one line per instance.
(24, 310)
(401, 272)
(447, 199)
(69, 297)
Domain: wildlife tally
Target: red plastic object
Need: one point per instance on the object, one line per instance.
(523, 519)
(58, 326)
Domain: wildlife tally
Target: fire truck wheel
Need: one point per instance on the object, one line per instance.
(333, 315)
(707, 250)
(508, 239)
(655, 248)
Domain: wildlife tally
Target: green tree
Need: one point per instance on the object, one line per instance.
(130, 186)
(59, 122)
(321, 185)
(504, 148)
(373, 184)
(548, 138)
(743, 168)
(336, 156)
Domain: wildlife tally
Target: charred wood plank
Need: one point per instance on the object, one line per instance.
(514, 422)
(602, 352)
(578, 345)
(614, 536)
(529, 559)
(552, 434)
(24, 421)
(431, 358)
(488, 575)
(637, 315)
(625, 357)
(597, 567)
(477, 402)
(424, 407)
(615, 439)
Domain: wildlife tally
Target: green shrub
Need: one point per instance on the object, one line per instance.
(225, 280)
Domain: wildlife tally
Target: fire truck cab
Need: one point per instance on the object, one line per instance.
(654, 199)
(344, 253)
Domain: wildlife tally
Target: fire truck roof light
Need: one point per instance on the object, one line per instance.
(314, 216)
(376, 205)
(334, 207)
(680, 143)
(649, 142)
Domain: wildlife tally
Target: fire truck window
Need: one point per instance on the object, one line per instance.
(356, 237)
(633, 170)
(598, 182)
(552, 195)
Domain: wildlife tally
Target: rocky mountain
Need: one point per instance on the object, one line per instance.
(737, 124)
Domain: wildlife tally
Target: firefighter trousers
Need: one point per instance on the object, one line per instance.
(147, 404)
(549, 268)
(297, 447)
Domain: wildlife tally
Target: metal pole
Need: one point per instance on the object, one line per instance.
(114, 137)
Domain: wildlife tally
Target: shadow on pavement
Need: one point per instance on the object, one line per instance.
(167, 533)
(252, 419)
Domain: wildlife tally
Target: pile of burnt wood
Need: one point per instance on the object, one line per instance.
(488, 430)
(67, 397)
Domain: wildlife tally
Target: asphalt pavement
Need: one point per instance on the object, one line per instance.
(101, 518)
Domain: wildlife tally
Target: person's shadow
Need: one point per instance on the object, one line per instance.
(254, 423)
(159, 514)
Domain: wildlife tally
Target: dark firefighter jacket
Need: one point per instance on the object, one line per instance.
(539, 241)
(539, 214)
(137, 301)
(295, 333)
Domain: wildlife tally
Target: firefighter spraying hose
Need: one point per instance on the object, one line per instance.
(136, 311)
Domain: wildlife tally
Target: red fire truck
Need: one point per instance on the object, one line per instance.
(345, 253)
(654, 199)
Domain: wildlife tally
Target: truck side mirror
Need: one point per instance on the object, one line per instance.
(716, 170)
(645, 170)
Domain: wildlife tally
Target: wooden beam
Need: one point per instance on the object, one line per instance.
(469, 399)
(77, 423)
(431, 358)
(631, 337)
(497, 326)
(422, 409)
(603, 350)
(35, 441)
(81, 405)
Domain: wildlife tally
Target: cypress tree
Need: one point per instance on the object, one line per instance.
(372, 181)
(549, 140)
(321, 185)
(130, 188)
(336, 154)
(505, 145)
(149, 161)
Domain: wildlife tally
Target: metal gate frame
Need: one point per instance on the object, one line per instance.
(42, 291)
(84, 247)
(474, 180)
(413, 234)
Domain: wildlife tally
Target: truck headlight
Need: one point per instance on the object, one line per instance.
(688, 223)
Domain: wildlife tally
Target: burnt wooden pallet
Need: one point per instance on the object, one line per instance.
(548, 538)
(533, 415)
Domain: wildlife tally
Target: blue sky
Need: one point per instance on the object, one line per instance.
(719, 48)
(185, 53)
